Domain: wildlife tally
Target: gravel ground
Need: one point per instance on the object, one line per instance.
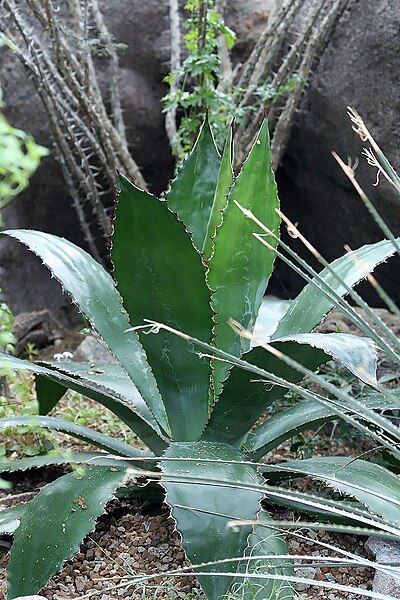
(133, 539)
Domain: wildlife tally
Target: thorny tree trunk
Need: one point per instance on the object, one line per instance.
(90, 143)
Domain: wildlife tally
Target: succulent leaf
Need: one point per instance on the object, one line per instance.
(191, 194)
(372, 485)
(110, 385)
(306, 414)
(243, 400)
(240, 266)
(89, 436)
(164, 280)
(10, 518)
(202, 507)
(106, 388)
(225, 180)
(265, 541)
(67, 510)
(93, 290)
(310, 307)
(67, 458)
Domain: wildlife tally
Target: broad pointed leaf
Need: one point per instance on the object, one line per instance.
(48, 393)
(240, 267)
(112, 388)
(310, 307)
(244, 399)
(225, 180)
(265, 541)
(306, 414)
(357, 354)
(10, 518)
(191, 194)
(202, 511)
(82, 433)
(92, 288)
(372, 485)
(67, 510)
(164, 280)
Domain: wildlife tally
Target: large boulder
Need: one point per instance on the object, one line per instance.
(359, 67)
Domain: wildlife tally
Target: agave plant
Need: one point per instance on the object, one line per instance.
(189, 261)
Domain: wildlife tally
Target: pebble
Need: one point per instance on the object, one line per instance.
(304, 573)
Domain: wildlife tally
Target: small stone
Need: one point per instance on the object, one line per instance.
(90, 554)
(80, 583)
(167, 559)
(384, 551)
(304, 573)
(93, 351)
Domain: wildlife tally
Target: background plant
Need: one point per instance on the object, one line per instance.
(271, 81)
(192, 383)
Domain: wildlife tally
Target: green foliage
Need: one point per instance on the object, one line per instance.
(17, 398)
(7, 339)
(19, 158)
(201, 88)
(179, 403)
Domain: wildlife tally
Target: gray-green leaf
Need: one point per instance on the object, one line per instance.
(67, 510)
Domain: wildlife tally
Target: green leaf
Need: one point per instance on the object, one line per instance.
(48, 393)
(82, 433)
(369, 483)
(311, 305)
(164, 280)
(357, 354)
(225, 180)
(92, 288)
(307, 414)
(240, 267)
(202, 510)
(191, 194)
(113, 389)
(244, 399)
(266, 542)
(110, 385)
(10, 518)
(67, 510)
(67, 458)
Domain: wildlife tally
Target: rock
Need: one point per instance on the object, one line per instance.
(39, 328)
(359, 67)
(304, 573)
(91, 350)
(385, 551)
(80, 583)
